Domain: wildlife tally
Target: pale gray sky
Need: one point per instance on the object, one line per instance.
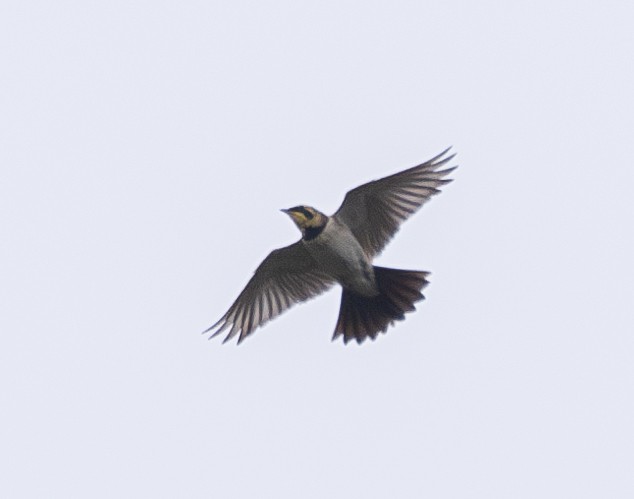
(145, 151)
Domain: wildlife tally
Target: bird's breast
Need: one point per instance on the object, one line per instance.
(340, 255)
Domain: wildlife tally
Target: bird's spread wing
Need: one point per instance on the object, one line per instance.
(374, 211)
(287, 276)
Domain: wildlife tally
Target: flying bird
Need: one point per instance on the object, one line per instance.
(339, 249)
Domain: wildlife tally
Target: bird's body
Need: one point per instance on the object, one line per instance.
(339, 249)
(338, 254)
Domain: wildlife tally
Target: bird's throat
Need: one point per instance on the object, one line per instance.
(313, 232)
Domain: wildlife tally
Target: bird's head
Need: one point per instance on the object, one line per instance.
(306, 217)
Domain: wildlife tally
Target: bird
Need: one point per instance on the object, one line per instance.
(339, 249)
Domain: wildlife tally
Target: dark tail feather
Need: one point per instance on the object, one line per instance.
(363, 316)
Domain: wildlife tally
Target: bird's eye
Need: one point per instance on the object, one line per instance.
(303, 211)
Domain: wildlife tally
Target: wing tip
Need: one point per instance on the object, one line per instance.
(223, 325)
(438, 156)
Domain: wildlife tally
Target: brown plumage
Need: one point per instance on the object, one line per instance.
(340, 249)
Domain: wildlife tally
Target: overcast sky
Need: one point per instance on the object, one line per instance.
(145, 151)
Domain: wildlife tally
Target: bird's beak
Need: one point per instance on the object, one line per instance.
(295, 217)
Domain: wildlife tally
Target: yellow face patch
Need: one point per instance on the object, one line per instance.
(305, 216)
(299, 218)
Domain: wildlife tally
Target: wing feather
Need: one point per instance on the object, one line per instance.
(285, 277)
(375, 211)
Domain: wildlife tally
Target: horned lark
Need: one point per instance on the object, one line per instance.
(339, 249)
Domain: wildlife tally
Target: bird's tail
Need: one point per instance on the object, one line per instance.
(363, 316)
